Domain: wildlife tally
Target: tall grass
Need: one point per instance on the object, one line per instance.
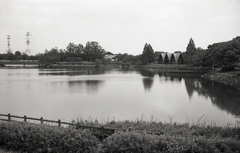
(132, 136)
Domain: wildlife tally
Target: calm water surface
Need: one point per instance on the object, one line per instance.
(116, 94)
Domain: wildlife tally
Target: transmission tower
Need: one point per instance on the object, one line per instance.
(28, 42)
(9, 48)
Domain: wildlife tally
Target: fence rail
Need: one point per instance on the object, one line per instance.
(59, 122)
(100, 132)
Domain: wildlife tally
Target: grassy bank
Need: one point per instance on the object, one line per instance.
(231, 78)
(140, 137)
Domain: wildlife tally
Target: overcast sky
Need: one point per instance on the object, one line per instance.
(119, 26)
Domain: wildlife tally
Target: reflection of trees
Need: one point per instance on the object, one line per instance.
(161, 74)
(148, 77)
(224, 97)
(147, 83)
(147, 72)
(77, 82)
(92, 85)
(189, 83)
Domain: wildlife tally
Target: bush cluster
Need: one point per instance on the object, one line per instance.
(26, 137)
(143, 142)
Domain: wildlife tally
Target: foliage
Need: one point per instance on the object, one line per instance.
(74, 52)
(195, 57)
(73, 59)
(10, 56)
(18, 55)
(49, 56)
(24, 56)
(132, 136)
(93, 51)
(42, 138)
(143, 142)
(191, 47)
(131, 59)
(147, 54)
(224, 53)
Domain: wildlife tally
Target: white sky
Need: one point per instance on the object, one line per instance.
(119, 26)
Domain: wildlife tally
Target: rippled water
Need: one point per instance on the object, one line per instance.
(119, 94)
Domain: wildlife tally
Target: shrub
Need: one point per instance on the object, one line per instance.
(43, 138)
(26, 137)
(143, 142)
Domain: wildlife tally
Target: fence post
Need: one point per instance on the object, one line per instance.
(59, 123)
(25, 118)
(41, 119)
(9, 117)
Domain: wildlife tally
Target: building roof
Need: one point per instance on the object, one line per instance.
(109, 56)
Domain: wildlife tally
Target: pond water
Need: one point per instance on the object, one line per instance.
(116, 94)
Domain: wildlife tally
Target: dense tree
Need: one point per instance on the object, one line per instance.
(24, 56)
(10, 56)
(121, 56)
(195, 57)
(147, 54)
(93, 51)
(191, 48)
(74, 50)
(49, 56)
(18, 55)
(131, 59)
(3, 56)
(224, 53)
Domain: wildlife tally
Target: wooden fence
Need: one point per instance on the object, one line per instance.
(100, 132)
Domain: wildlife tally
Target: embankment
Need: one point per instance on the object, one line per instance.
(228, 78)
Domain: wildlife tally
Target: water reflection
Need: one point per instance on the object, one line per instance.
(91, 86)
(148, 75)
(89, 91)
(72, 72)
(224, 97)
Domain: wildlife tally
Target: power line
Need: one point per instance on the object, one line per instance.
(34, 49)
(17, 39)
(18, 36)
(18, 42)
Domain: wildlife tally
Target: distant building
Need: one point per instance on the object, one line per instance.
(169, 58)
(110, 56)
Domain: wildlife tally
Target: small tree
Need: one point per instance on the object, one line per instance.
(18, 55)
(93, 51)
(191, 47)
(10, 56)
(148, 54)
(24, 56)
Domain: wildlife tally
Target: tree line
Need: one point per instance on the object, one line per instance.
(216, 55)
(222, 54)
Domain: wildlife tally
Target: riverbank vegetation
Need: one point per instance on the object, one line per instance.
(224, 54)
(131, 136)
